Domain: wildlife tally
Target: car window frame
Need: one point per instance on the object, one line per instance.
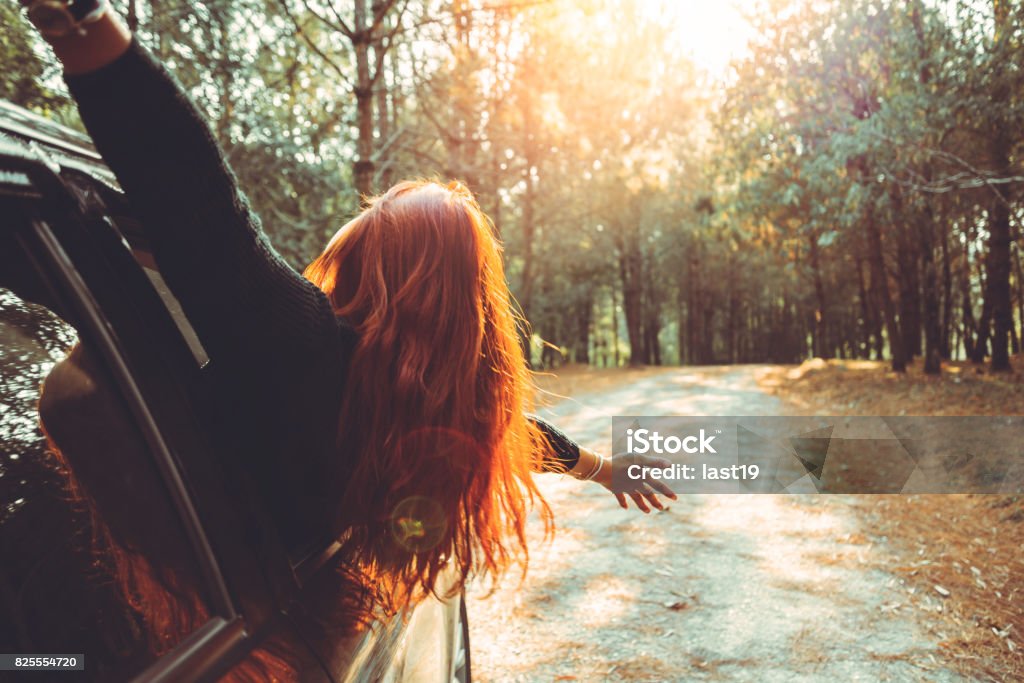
(225, 638)
(224, 630)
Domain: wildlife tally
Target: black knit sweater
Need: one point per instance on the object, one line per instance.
(280, 355)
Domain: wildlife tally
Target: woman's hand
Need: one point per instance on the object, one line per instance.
(613, 471)
(99, 43)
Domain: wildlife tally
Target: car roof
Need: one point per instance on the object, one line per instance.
(24, 134)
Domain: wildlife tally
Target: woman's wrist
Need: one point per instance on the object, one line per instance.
(101, 43)
(592, 466)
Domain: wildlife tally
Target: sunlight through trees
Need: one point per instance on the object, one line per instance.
(674, 182)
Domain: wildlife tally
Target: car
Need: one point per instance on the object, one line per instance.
(142, 553)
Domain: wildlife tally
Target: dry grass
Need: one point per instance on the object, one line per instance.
(642, 668)
(968, 545)
(863, 387)
(712, 667)
(810, 647)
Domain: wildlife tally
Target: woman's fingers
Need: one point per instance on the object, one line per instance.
(645, 494)
(652, 487)
(662, 487)
(650, 495)
(638, 498)
(645, 498)
(655, 501)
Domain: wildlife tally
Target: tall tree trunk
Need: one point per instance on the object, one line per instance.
(932, 332)
(984, 330)
(652, 316)
(997, 284)
(910, 297)
(865, 310)
(967, 308)
(526, 287)
(781, 351)
(683, 324)
(133, 16)
(1020, 299)
(731, 332)
(615, 328)
(820, 347)
(584, 321)
(528, 225)
(709, 335)
(932, 324)
(384, 129)
(880, 288)
(693, 315)
(946, 348)
(997, 281)
(632, 305)
(363, 168)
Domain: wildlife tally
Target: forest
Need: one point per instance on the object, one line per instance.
(846, 184)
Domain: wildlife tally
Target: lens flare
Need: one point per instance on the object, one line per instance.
(418, 523)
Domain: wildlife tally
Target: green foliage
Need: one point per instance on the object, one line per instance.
(866, 112)
(649, 212)
(21, 79)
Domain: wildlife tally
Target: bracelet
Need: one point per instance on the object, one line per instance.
(595, 469)
(579, 475)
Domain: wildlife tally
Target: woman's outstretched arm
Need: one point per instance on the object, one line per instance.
(565, 453)
(207, 241)
(569, 457)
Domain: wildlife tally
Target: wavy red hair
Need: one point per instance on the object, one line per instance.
(432, 419)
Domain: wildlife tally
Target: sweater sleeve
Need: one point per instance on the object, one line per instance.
(206, 239)
(564, 453)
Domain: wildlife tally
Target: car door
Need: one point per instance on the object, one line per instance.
(118, 545)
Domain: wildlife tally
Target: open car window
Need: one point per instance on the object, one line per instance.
(126, 247)
(96, 559)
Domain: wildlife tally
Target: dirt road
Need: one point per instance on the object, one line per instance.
(745, 588)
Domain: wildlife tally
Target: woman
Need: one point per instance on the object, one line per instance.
(380, 396)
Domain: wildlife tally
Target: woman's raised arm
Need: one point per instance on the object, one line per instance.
(207, 241)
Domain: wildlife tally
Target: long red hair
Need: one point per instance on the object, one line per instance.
(432, 419)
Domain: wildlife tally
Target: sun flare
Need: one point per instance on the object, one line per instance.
(711, 32)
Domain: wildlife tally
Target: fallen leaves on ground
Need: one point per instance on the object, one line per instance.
(958, 556)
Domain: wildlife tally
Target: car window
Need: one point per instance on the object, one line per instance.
(95, 559)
